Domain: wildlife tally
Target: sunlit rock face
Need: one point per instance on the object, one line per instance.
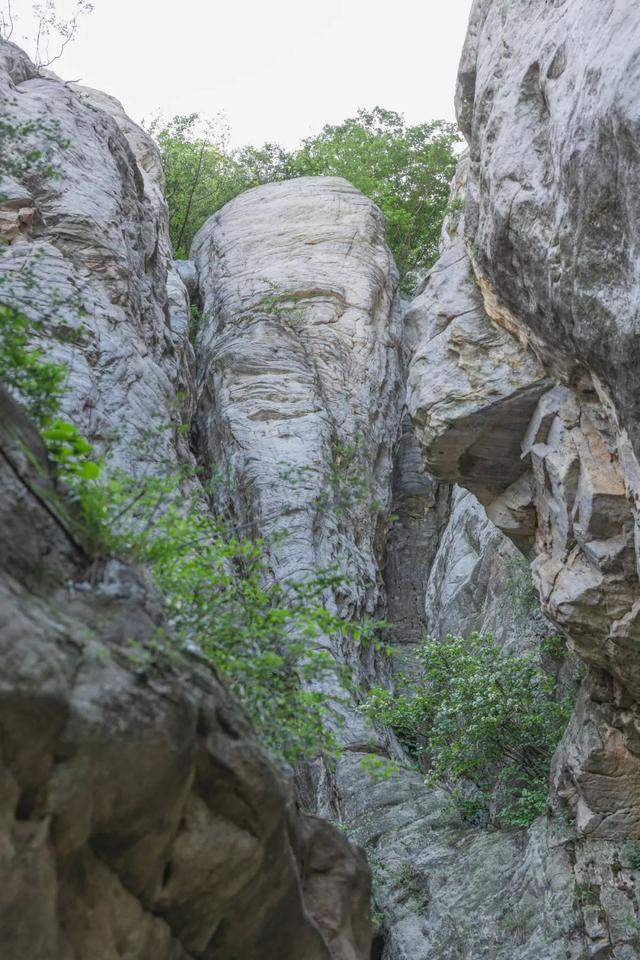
(471, 388)
(300, 387)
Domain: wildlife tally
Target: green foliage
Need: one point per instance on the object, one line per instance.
(222, 601)
(379, 768)
(406, 170)
(28, 147)
(482, 723)
(553, 647)
(39, 384)
(201, 174)
(36, 381)
(70, 452)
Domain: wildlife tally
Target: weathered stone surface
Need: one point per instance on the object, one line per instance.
(420, 508)
(300, 388)
(448, 891)
(92, 256)
(138, 815)
(548, 103)
(568, 476)
(472, 387)
(480, 583)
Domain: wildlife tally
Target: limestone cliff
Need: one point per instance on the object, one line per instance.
(522, 382)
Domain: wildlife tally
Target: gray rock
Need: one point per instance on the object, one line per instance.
(91, 259)
(548, 104)
(188, 275)
(300, 384)
(420, 508)
(559, 476)
(137, 810)
(480, 583)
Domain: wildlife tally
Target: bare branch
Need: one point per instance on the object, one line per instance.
(7, 22)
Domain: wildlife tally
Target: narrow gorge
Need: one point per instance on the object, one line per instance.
(463, 462)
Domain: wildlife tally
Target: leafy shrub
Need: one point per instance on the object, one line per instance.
(40, 384)
(481, 723)
(222, 601)
(634, 856)
(406, 170)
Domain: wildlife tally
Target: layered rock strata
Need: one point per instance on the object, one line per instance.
(89, 250)
(300, 386)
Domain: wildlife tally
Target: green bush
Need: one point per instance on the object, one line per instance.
(406, 170)
(483, 724)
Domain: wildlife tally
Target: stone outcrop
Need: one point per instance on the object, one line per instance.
(545, 257)
(90, 249)
(300, 384)
(548, 103)
(139, 814)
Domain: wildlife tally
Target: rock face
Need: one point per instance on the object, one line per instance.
(135, 798)
(279, 394)
(92, 252)
(548, 105)
(300, 382)
(139, 815)
(522, 382)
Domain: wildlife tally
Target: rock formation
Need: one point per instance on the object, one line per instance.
(140, 816)
(551, 402)
(521, 387)
(424, 450)
(300, 389)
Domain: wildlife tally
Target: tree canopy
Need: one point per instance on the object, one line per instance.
(406, 170)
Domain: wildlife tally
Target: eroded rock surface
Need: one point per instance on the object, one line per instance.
(139, 815)
(90, 250)
(547, 115)
(547, 100)
(300, 386)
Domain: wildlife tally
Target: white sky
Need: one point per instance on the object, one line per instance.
(277, 70)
